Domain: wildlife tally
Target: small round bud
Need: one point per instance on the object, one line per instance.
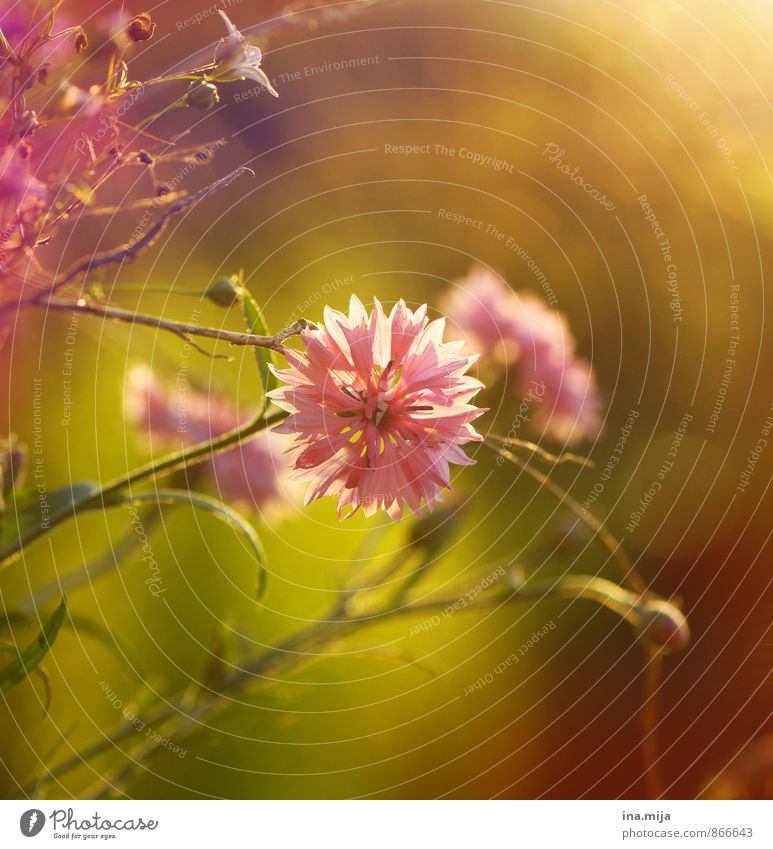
(144, 157)
(163, 189)
(662, 625)
(202, 95)
(222, 292)
(141, 28)
(81, 42)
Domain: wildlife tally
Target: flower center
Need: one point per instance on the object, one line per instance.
(381, 405)
(381, 410)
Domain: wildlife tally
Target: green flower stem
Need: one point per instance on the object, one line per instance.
(178, 719)
(650, 711)
(102, 496)
(176, 104)
(614, 546)
(131, 86)
(555, 459)
(187, 456)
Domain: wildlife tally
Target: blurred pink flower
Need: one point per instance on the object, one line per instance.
(254, 473)
(481, 309)
(521, 330)
(569, 407)
(379, 408)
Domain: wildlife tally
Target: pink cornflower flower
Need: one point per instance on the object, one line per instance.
(379, 407)
(519, 329)
(254, 473)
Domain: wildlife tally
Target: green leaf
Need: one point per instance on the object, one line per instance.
(221, 656)
(217, 508)
(28, 660)
(32, 513)
(7, 648)
(257, 324)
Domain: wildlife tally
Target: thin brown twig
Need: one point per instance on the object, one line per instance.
(180, 328)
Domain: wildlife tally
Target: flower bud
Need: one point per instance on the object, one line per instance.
(662, 625)
(202, 95)
(223, 292)
(141, 28)
(658, 623)
(81, 42)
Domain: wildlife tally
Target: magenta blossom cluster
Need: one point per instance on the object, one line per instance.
(255, 473)
(518, 330)
(379, 407)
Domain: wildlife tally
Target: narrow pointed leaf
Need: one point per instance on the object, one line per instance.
(219, 510)
(257, 324)
(31, 515)
(29, 659)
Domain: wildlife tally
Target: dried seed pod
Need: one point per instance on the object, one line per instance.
(202, 95)
(141, 28)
